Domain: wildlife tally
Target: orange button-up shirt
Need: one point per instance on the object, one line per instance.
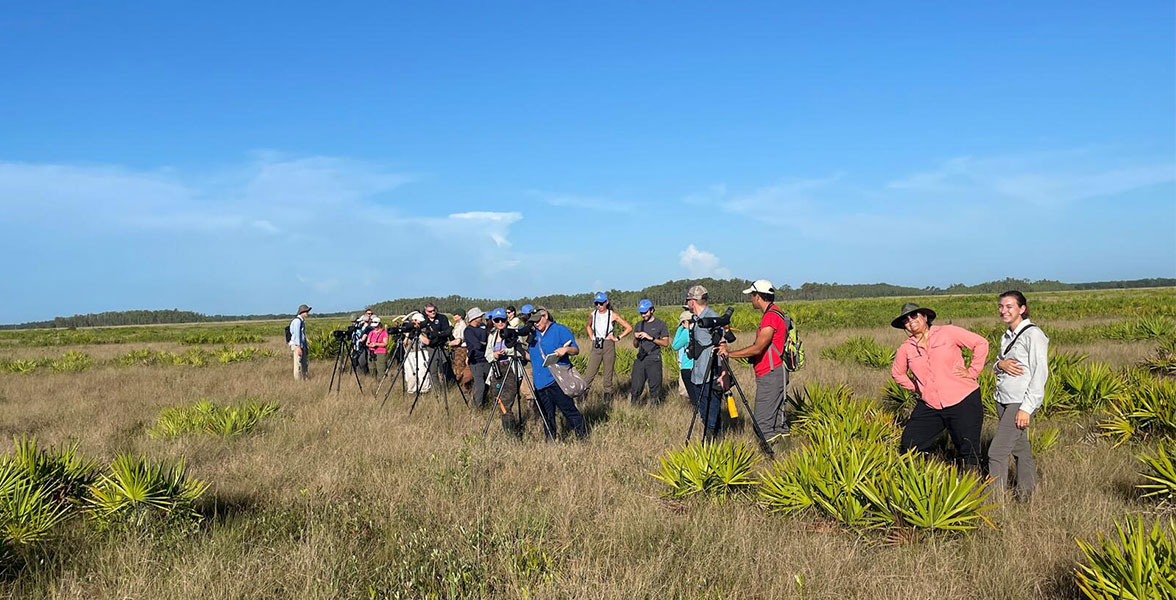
(933, 366)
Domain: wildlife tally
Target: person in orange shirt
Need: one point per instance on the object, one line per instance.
(931, 364)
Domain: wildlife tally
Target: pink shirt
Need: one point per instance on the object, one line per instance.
(933, 366)
(376, 336)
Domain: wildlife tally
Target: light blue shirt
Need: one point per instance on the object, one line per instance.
(704, 337)
(297, 333)
(681, 341)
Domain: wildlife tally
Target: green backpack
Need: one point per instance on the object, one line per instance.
(793, 353)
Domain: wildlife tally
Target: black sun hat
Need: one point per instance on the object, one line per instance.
(909, 308)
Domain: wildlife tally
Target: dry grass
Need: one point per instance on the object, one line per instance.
(338, 499)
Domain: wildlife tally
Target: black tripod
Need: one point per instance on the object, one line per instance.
(715, 365)
(396, 352)
(417, 353)
(342, 359)
(514, 368)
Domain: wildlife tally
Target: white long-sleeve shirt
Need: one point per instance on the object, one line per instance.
(1032, 352)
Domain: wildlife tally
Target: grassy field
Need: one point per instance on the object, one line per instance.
(332, 497)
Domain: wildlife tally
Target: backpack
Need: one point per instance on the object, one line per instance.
(287, 333)
(792, 355)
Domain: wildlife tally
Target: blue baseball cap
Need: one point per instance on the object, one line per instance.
(526, 309)
(600, 297)
(498, 313)
(644, 306)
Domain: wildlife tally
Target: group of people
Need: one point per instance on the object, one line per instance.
(492, 352)
(930, 362)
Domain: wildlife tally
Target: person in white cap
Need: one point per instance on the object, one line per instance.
(475, 336)
(766, 355)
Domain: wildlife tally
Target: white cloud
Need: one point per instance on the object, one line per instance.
(699, 263)
(1047, 179)
(582, 202)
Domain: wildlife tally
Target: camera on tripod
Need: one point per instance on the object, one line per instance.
(343, 334)
(512, 336)
(716, 324)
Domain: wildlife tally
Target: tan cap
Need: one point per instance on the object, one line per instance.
(762, 286)
(696, 292)
(685, 316)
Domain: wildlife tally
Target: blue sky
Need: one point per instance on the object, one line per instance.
(247, 157)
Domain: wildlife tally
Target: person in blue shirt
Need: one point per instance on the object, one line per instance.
(299, 348)
(553, 338)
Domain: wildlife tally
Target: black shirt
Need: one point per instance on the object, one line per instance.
(657, 329)
(475, 339)
(437, 329)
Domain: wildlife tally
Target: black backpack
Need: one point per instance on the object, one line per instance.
(287, 334)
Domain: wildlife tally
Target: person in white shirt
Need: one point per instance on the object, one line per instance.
(1022, 368)
(601, 329)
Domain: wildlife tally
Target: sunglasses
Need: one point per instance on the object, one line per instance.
(601, 303)
(499, 320)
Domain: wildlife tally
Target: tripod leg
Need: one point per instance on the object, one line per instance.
(355, 371)
(547, 427)
(457, 378)
(763, 441)
(334, 369)
(392, 385)
(497, 403)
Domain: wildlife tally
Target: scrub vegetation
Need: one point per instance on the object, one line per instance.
(130, 476)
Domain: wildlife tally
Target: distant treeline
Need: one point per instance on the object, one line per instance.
(138, 317)
(726, 291)
(722, 291)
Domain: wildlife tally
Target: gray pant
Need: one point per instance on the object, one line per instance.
(596, 356)
(300, 362)
(1015, 442)
(479, 371)
(648, 369)
(770, 393)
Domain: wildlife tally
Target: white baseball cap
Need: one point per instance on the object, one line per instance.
(762, 286)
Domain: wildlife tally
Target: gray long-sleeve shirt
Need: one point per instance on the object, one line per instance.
(1032, 352)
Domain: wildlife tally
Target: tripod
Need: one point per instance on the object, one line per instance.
(417, 353)
(396, 352)
(714, 366)
(341, 359)
(514, 368)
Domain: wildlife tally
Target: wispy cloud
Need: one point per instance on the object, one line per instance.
(699, 263)
(597, 203)
(1043, 179)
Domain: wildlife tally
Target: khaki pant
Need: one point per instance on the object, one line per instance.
(379, 365)
(596, 356)
(300, 363)
(1014, 442)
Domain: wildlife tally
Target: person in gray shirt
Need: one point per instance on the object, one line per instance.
(1022, 368)
(696, 302)
(651, 336)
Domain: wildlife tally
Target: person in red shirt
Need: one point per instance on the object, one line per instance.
(949, 397)
(765, 354)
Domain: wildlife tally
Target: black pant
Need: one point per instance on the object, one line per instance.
(551, 397)
(962, 421)
(647, 370)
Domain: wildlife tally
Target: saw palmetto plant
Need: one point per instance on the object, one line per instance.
(1160, 473)
(136, 491)
(208, 417)
(711, 468)
(1138, 563)
(1146, 411)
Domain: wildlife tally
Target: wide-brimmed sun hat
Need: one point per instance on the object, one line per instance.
(302, 308)
(908, 309)
(473, 313)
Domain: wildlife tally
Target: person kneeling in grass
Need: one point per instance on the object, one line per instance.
(1022, 368)
(949, 396)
